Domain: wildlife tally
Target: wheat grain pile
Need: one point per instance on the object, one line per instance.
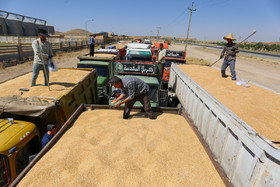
(102, 149)
(61, 82)
(104, 55)
(258, 107)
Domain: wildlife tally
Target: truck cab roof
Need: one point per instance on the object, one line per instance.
(138, 46)
(15, 133)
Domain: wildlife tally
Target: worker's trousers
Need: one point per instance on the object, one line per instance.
(144, 100)
(36, 69)
(231, 65)
(91, 51)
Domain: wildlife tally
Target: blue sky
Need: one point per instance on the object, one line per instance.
(212, 20)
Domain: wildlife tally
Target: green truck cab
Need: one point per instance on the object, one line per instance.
(102, 69)
(149, 72)
(19, 141)
(102, 65)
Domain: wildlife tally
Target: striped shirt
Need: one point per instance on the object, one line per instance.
(46, 49)
(133, 86)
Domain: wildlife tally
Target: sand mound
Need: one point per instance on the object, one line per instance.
(60, 83)
(102, 149)
(258, 107)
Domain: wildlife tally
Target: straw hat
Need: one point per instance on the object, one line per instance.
(229, 36)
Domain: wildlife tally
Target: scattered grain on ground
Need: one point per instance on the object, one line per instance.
(197, 61)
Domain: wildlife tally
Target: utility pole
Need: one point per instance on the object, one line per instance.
(189, 27)
(158, 29)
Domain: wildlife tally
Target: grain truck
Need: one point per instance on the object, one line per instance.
(101, 62)
(25, 114)
(201, 144)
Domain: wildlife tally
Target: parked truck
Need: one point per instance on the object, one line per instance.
(134, 152)
(24, 115)
(101, 62)
(172, 56)
(124, 152)
(138, 52)
(146, 71)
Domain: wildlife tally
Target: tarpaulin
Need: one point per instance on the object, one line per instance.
(31, 106)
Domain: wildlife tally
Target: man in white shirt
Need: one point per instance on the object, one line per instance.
(161, 54)
(41, 44)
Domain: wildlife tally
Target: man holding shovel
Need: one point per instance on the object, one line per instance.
(42, 53)
(229, 51)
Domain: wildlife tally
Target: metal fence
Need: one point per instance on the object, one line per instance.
(17, 52)
(247, 158)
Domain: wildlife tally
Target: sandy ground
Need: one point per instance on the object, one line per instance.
(111, 151)
(65, 60)
(60, 83)
(258, 107)
(247, 68)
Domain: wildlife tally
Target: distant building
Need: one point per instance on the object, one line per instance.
(12, 24)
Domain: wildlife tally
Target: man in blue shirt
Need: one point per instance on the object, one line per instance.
(91, 45)
(49, 134)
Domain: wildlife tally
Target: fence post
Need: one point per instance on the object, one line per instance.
(69, 45)
(19, 48)
(76, 45)
(61, 46)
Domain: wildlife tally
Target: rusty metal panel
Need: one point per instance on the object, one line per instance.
(247, 158)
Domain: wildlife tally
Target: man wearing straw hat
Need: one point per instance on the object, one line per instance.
(229, 51)
(42, 49)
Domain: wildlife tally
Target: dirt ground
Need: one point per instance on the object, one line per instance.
(260, 71)
(62, 60)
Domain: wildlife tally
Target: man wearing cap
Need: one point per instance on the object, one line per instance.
(229, 51)
(133, 89)
(41, 45)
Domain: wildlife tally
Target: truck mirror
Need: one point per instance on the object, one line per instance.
(13, 149)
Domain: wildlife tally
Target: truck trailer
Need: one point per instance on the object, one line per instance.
(25, 114)
(113, 151)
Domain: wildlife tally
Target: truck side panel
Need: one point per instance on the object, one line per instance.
(246, 157)
(85, 92)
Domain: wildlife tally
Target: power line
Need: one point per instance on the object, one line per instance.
(175, 19)
(213, 4)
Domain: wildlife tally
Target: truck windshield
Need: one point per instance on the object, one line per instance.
(5, 175)
(101, 70)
